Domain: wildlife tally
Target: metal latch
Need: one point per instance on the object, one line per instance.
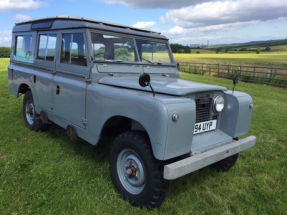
(53, 71)
(88, 79)
(51, 106)
(105, 65)
(84, 121)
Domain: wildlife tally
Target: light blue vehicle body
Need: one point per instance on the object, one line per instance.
(107, 95)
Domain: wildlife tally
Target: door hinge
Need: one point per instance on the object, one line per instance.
(84, 121)
(88, 79)
(51, 106)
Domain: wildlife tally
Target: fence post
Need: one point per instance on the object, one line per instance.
(254, 75)
(240, 72)
(218, 69)
(189, 68)
(209, 69)
(228, 70)
(202, 69)
(271, 75)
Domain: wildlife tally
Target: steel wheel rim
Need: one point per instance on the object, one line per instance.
(30, 112)
(131, 184)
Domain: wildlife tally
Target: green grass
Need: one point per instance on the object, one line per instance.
(47, 173)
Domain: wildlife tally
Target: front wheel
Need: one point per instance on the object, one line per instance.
(136, 173)
(225, 164)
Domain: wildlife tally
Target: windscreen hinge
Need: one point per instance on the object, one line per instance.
(88, 79)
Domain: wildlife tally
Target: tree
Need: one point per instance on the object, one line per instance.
(218, 50)
(268, 48)
(177, 48)
(258, 50)
(5, 52)
(198, 52)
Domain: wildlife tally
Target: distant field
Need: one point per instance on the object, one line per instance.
(276, 57)
(270, 59)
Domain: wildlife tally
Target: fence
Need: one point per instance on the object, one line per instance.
(255, 74)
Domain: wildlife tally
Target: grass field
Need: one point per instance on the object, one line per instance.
(276, 57)
(47, 173)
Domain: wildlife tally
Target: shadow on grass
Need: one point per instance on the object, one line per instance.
(98, 153)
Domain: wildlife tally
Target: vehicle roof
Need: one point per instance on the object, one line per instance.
(70, 22)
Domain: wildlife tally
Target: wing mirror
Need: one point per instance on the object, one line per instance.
(144, 81)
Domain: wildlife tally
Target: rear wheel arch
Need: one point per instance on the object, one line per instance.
(23, 88)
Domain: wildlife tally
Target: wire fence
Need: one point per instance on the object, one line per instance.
(254, 74)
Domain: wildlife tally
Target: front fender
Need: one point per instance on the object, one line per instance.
(153, 113)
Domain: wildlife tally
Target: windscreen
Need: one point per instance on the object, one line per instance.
(150, 51)
(107, 47)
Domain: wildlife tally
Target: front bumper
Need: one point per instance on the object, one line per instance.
(196, 162)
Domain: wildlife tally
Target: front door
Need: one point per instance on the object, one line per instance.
(69, 84)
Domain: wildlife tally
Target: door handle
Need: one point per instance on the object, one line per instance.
(58, 90)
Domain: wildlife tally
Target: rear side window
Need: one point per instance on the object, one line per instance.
(73, 50)
(47, 47)
(23, 49)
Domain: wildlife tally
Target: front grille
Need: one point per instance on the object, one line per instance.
(203, 108)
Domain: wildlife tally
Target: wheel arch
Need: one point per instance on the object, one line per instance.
(118, 124)
(23, 88)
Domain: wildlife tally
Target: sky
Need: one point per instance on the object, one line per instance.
(182, 21)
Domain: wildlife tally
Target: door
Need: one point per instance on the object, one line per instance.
(45, 61)
(69, 84)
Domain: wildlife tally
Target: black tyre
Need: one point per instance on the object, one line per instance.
(136, 173)
(31, 118)
(225, 164)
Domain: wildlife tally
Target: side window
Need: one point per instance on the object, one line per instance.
(23, 49)
(73, 49)
(47, 47)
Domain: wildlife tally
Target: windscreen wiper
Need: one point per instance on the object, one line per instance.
(107, 60)
(150, 61)
(146, 60)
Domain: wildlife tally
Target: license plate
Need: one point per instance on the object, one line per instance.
(204, 126)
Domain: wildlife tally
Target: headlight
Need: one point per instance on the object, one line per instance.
(218, 104)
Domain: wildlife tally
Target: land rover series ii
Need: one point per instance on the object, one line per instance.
(94, 78)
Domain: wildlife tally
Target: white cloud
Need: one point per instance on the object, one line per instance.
(5, 38)
(145, 25)
(21, 18)
(224, 12)
(178, 34)
(20, 5)
(178, 30)
(145, 4)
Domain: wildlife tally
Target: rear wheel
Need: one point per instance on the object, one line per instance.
(136, 173)
(31, 118)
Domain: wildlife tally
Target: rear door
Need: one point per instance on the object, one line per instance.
(45, 62)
